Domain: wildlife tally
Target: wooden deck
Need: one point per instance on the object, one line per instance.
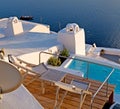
(71, 101)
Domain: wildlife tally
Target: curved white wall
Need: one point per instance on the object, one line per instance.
(33, 57)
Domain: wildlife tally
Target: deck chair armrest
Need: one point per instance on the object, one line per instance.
(35, 69)
(26, 69)
(12, 59)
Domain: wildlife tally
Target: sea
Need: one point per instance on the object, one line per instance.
(99, 18)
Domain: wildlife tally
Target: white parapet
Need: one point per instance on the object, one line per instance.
(73, 38)
(14, 27)
(40, 56)
(40, 28)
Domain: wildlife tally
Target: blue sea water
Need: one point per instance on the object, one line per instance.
(99, 18)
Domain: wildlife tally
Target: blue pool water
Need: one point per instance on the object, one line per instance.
(97, 72)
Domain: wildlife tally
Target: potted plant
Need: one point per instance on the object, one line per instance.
(102, 52)
(64, 54)
(54, 61)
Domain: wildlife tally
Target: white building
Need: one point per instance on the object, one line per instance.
(73, 38)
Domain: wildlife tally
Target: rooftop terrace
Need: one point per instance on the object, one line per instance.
(28, 41)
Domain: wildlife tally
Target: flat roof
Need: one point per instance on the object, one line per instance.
(27, 41)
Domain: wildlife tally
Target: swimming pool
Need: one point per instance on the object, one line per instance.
(97, 72)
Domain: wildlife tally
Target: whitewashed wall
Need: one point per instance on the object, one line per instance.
(73, 38)
(112, 51)
(33, 57)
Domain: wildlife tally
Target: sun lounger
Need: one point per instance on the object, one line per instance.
(36, 70)
(41, 71)
(52, 76)
(77, 87)
(28, 67)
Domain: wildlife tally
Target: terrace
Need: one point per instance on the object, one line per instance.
(47, 100)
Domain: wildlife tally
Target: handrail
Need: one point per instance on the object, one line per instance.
(106, 80)
(79, 59)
